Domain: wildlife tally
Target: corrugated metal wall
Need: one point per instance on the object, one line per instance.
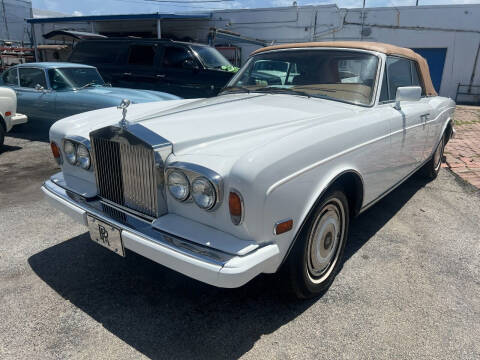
(12, 20)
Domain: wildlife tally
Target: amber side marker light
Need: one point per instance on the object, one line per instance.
(8, 113)
(235, 204)
(283, 227)
(56, 152)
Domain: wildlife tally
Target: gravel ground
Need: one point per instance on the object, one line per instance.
(409, 288)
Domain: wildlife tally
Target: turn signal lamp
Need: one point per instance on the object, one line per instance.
(8, 113)
(235, 205)
(56, 152)
(283, 227)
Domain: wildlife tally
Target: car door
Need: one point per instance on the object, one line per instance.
(34, 98)
(139, 71)
(182, 73)
(408, 130)
(428, 114)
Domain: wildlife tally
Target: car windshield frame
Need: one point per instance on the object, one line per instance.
(291, 89)
(197, 50)
(72, 84)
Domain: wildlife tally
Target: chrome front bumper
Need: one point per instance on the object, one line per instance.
(206, 264)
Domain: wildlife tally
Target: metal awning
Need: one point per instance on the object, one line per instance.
(69, 35)
(121, 17)
(234, 37)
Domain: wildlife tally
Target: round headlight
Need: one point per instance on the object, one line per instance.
(83, 157)
(203, 193)
(178, 185)
(70, 151)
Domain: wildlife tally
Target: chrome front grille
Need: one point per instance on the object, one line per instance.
(108, 169)
(126, 174)
(138, 179)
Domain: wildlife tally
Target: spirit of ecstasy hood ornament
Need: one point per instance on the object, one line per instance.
(123, 105)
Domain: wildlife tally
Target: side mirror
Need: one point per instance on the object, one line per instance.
(39, 87)
(407, 93)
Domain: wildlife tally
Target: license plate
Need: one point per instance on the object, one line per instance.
(106, 235)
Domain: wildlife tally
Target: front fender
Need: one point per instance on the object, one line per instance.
(296, 198)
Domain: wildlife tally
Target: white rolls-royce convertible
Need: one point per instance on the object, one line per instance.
(262, 178)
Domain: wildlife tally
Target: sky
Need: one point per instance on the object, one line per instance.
(97, 7)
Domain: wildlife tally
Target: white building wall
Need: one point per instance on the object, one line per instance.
(12, 20)
(455, 27)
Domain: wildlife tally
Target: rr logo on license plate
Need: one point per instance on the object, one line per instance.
(103, 234)
(106, 235)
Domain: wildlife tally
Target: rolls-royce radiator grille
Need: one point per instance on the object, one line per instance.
(126, 175)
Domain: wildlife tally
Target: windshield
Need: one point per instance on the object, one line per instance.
(211, 57)
(74, 78)
(347, 76)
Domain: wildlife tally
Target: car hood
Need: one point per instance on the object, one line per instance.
(225, 125)
(134, 95)
(231, 124)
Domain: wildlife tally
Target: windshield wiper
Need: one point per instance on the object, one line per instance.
(277, 90)
(323, 89)
(87, 85)
(235, 89)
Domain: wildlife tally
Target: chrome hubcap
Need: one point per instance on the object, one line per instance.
(325, 240)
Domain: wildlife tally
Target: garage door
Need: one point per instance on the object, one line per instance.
(436, 60)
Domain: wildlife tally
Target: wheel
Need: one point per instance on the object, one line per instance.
(317, 254)
(432, 167)
(2, 135)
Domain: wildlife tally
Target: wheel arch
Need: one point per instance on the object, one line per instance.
(2, 123)
(448, 129)
(351, 181)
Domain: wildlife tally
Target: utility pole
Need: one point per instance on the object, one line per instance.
(363, 19)
(416, 3)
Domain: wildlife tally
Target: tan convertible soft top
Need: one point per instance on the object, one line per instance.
(366, 45)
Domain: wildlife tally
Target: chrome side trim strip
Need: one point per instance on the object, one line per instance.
(321, 162)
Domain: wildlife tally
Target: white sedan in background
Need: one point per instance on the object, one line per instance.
(8, 112)
(262, 178)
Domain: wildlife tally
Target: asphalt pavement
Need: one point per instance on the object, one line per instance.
(409, 288)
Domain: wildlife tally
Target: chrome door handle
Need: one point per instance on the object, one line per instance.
(160, 76)
(127, 74)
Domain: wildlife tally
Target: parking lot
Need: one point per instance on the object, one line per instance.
(409, 287)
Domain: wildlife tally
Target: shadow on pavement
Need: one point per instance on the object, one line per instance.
(166, 315)
(34, 130)
(8, 148)
(372, 220)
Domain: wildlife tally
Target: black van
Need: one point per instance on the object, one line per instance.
(187, 70)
